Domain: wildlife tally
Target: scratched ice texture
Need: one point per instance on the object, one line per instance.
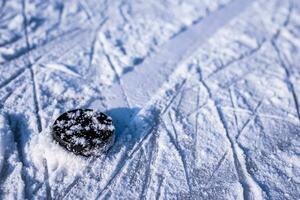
(204, 95)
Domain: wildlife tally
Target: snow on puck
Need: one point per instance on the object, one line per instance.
(84, 132)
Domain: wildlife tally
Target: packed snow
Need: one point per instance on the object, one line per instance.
(204, 96)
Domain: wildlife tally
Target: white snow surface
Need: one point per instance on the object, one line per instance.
(204, 96)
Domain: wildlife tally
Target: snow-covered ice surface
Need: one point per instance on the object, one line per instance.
(204, 96)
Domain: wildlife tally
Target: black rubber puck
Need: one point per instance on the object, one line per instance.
(84, 132)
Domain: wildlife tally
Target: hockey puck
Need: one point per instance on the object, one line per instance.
(84, 132)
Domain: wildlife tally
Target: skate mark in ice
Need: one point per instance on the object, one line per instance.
(237, 164)
(133, 178)
(196, 124)
(25, 24)
(282, 173)
(60, 9)
(157, 115)
(4, 99)
(240, 58)
(16, 55)
(5, 172)
(18, 90)
(15, 38)
(262, 184)
(249, 107)
(122, 13)
(234, 105)
(90, 13)
(216, 168)
(153, 124)
(67, 69)
(178, 90)
(13, 77)
(255, 115)
(36, 101)
(251, 118)
(42, 56)
(91, 53)
(117, 76)
(38, 51)
(240, 173)
(197, 109)
(86, 10)
(68, 189)
(33, 79)
(125, 159)
(251, 53)
(46, 180)
(248, 175)
(284, 62)
(38, 186)
(152, 158)
(160, 184)
(288, 81)
(174, 141)
(181, 98)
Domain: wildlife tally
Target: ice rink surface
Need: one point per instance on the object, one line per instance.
(205, 97)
